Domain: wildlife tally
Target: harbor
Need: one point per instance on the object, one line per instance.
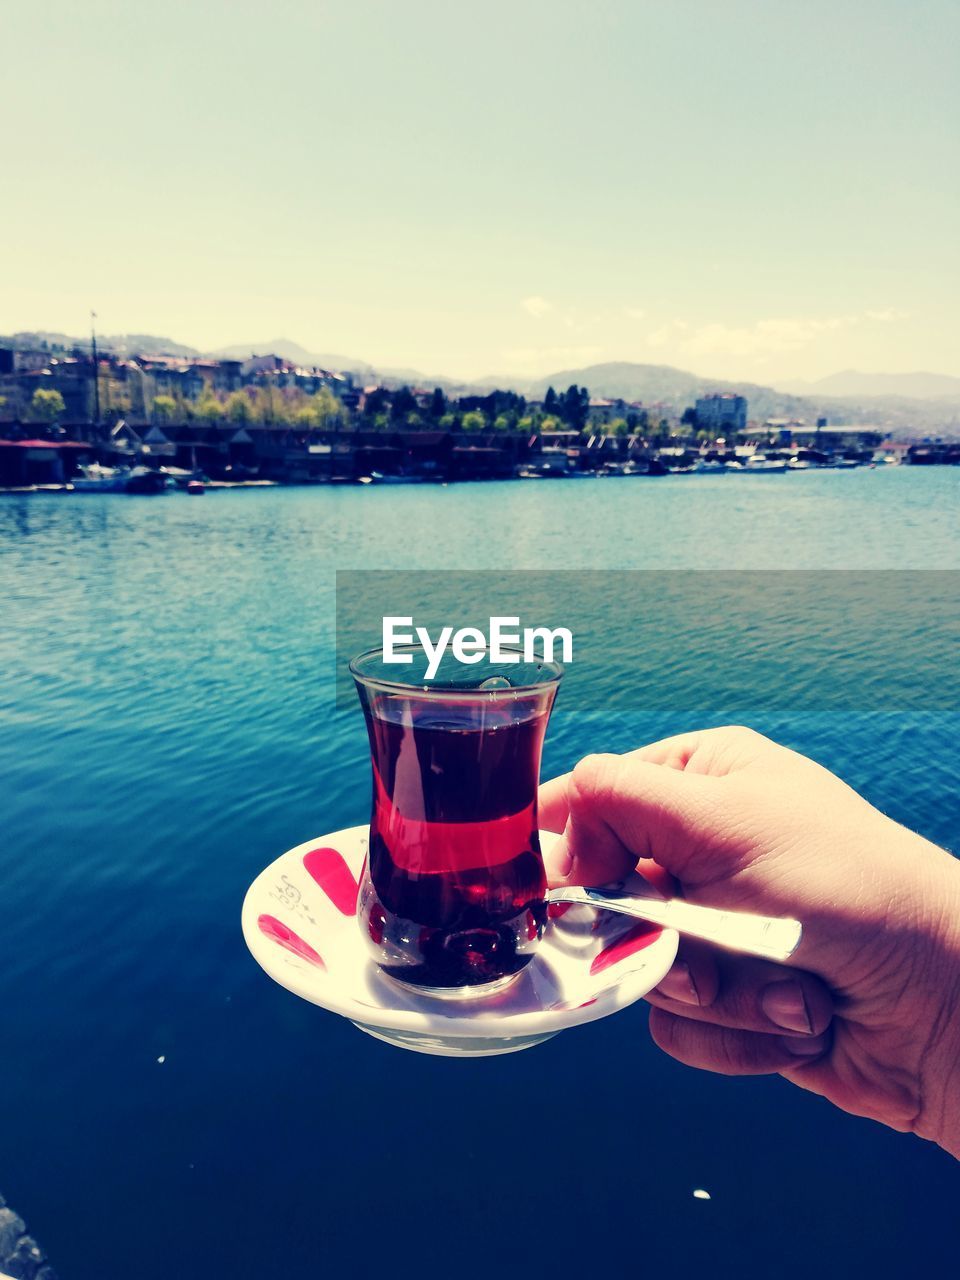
(152, 460)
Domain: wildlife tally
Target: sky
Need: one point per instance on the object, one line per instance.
(753, 191)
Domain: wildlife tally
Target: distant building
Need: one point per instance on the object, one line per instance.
(721, 415)
(602, 411)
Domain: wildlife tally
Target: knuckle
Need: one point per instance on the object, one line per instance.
(592, 778)
(742, 733)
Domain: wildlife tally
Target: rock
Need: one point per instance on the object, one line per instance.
(11, 1229)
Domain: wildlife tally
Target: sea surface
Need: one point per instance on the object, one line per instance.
(168, 727)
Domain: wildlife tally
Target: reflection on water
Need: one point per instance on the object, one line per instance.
(167, 728)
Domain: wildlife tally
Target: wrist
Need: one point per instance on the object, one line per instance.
(939, 1118)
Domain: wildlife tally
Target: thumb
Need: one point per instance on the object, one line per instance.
(622, 809)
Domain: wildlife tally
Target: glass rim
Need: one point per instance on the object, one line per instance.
(552, 673)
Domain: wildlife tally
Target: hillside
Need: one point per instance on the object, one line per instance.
(676, 388)
(932, 406)
(913, 386)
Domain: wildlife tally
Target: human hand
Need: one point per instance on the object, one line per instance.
(868, 1011)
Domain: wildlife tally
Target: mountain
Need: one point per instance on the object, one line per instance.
(914, 386)
(290, 350)
(122, 343)
(662, 384)
(676, 389)
(909, 404)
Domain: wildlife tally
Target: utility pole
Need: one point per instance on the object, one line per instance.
(96, 369)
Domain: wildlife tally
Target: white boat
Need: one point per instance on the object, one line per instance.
(800, 464)
(380, 477)
(95, 478)
(760, 462)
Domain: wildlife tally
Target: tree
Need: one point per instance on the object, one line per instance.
(474, 421)
(550, 401)
(328, 408)
(438, 404)
(208, 408)
(46, 405)
(503, 422)
(403, 402)
(164, 409)
(239, 407)
(619, 428)
(306, 417)
(266, 407)
(689, 418)
(376, 401)
(573, 406)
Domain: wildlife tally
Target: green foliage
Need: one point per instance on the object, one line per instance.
(574, 406)
(305, 417)
(504, 422)
(328, 408)
(163, 409)
(208, 408)
(619, 428)
(268, 406)
(402, 403)
(46, 405)
(474, 421)
(376, 402)
(438, 404)
(239, 407)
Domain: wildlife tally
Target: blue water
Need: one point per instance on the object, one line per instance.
(167, 728)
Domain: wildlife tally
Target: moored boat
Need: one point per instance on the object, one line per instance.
(94, 478)
(144, 480)
(762, 462)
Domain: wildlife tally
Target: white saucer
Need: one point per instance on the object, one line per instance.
(300, 924)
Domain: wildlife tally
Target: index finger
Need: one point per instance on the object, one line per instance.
(553, 805)
(554, 802)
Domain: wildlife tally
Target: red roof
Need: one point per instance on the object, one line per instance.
(44, 444)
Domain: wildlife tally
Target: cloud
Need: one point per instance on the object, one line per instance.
(634, 313)
(763, 338)
(537, 306)
(668, 332)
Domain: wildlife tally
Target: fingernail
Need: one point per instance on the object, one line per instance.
(783, 1003)
(806, 1046)
(679, 985)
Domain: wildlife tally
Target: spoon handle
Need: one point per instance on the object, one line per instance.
(765, 936)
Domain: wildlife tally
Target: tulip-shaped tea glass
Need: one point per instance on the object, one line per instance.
(452, 892)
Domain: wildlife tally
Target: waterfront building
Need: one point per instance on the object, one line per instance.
(722, 414)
